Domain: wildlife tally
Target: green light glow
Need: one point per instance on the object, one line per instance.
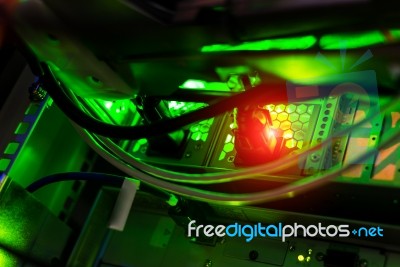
(395, 33)
(353, 40)
(7, 259)
(293, 43)
(108, 104)
(139, 143)
(300, 258)
(177, 108)
(193, 84)
(203, 85)
(198, 131)
(302, 68)
(116, 112)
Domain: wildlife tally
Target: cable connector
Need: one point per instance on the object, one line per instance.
(36, 92)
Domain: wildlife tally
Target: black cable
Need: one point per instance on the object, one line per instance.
(106, 179)
(275, 93)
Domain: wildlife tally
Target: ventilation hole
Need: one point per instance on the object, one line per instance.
(323, 126)
(325, 119)
(366, 168)
(321, 133)
(373, 138)
(329, 105)
(327, 112)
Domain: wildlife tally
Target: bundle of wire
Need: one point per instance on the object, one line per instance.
(167, 180)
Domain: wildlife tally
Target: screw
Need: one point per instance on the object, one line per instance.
(188, 155)
(253, 255)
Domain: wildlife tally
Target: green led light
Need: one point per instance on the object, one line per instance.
(116, 112)
(288, 119)
(204, 137)
(178, 108)
(353, 40)
(300, 258)
(293, 43)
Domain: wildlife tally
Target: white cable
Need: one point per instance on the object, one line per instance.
(234, 199)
